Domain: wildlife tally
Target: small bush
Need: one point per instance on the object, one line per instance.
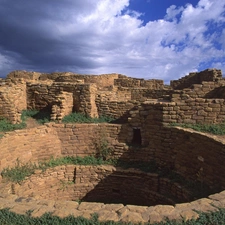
(41, 116)
(5, 126)
(19, 172)
(81, 118)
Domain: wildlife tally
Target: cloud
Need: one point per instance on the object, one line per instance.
(104, 36)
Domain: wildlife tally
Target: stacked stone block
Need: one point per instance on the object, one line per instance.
(12, 100)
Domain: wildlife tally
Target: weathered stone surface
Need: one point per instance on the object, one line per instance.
(143, 106)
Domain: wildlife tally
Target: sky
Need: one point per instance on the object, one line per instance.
(150, 39)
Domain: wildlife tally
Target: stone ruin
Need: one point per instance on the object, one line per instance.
(142, 110)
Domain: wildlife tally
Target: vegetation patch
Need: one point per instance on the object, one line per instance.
(11, 218)
(21, 171)
(6, 125)
(217, 129)
(44, 117)
(81, 118)
(40, 116)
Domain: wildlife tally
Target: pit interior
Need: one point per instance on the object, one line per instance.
(130, 185)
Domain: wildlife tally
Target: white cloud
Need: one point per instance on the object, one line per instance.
(104, 36)
(124, 45)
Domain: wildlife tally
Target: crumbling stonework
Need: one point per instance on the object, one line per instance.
(144, 109)
(106, 184)
(113, 95)
(12, 100)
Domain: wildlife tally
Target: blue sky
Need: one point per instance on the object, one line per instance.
(151, 39)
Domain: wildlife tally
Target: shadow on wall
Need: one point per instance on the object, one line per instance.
(133, 188)
(192, 155)
(218, 92)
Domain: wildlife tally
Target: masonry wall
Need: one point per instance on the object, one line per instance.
(197, 78)
(194, 155)
(27, 145)
(106, 184)
(12, 100)
(197, 110)
(187, 152)
(191, 154)
(115, 109)
(103, 80)
(134, 82)
(82, 139)
(144, 94)
(53, 140)
(44, 96)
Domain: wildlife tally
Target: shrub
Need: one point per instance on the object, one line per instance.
(5, 125)
(81, 118)
(41, 116)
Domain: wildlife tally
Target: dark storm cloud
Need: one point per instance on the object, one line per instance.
(29, 29)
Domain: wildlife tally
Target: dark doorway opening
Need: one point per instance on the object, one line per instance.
(136, 137)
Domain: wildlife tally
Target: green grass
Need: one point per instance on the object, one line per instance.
(81, 118)
(41, 116)
(217, 129)
(44, 117)
(5, 126)
(21, 171)
(11, 218)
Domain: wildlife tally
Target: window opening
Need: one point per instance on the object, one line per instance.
(136, 136)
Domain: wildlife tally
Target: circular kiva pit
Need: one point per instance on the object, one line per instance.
(104, 183)
(115, 193)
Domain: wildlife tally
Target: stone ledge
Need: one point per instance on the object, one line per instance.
(113, 212)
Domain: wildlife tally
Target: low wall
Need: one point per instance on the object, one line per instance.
(53, 140)
(112, 212)
(12, 100)
(187, 152)
(196, 156)
(197, 78)
(106, 184)
(29, 145)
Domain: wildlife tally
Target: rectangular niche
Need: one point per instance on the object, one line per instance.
(136, 140)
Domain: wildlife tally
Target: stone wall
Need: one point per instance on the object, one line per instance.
(81, 139)
(29, 145)
(22, 74)
(196, 110)
(144, 94)
(12, 100)
(101, 81)
(197, 78)
(177, 149)
(134, 82)
(196, 156)
(44, 97)
(53, 140)
(115, 109)
(173, 148)
(105, 183)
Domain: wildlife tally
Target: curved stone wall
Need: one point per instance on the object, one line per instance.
(105, 183)
(173, 147)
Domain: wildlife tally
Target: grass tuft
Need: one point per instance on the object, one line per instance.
(81, 118)
(21, 171)
(217, 129)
